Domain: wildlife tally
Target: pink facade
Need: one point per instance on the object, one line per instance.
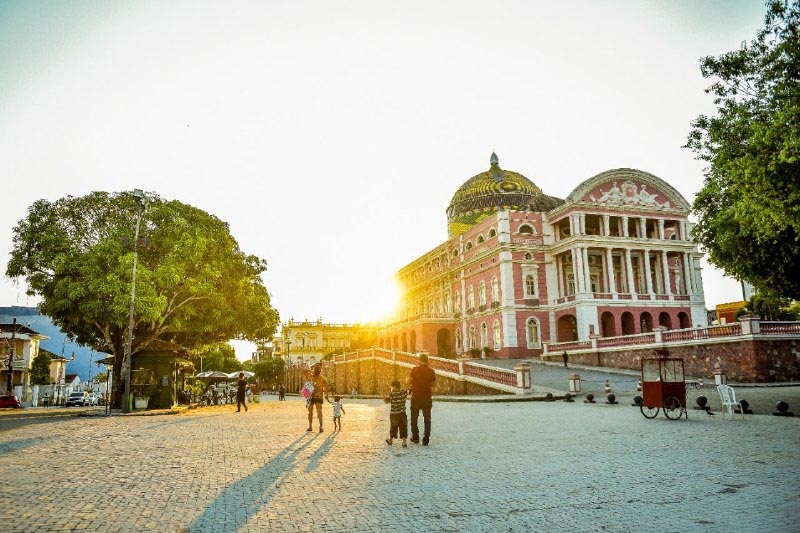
(614, 258)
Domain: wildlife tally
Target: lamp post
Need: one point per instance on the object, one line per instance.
(139, 196)
(10, 364)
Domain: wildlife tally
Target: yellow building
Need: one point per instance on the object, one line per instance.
(309, 342)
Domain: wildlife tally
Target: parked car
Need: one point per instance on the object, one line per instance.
(9, 401)
(77, 398)
(92, 399)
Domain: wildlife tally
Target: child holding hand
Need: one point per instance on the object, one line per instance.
(398, 422)
(338, 411)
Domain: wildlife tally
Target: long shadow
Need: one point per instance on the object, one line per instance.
(320, 452)
(20, 444)
(248, 495)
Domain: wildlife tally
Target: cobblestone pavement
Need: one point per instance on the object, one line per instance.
(532, 466)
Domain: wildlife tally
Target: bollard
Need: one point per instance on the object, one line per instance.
(702, 405)
(568, 398)
(549, 397)
(611, 399)
(744, 405)
(606, 387)
(783, 409)
(589, 398)
(574, 383)
(637, 401)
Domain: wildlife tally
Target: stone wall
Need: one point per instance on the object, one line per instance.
(373, 377)
(744, 360)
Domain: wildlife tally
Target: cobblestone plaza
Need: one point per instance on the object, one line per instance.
(530, 466)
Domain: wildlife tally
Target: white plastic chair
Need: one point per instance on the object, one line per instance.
(728, 397)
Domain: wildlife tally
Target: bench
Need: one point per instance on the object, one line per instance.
(728, 397)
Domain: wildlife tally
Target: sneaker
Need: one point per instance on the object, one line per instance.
(405, 445)
(320, 429)
(424, 442)
(309, 429)
(415, 441)
(388, 442)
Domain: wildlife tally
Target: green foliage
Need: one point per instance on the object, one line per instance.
(749, 207)
(269, 371)
(194, 286)
(221, 357)
(40, 369)
(770, 306)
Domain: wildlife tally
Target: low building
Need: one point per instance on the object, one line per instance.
(309, 342)
(19, 345)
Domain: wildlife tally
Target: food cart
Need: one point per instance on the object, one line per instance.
(663, 386)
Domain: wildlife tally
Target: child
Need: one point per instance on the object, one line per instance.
(398, 422)
(338, 411)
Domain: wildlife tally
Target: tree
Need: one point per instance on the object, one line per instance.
(749, 206)
(194, 286)
(40, 369)
(268, 371)
(770, 306)
(220, 357)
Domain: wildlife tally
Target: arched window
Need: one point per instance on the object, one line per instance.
(528, 256)
(469, 245)
(525, 229)
(497, 335)
(470, 298)
(530, 286)
(532, 333)
(482, 293)
(495, 290)
(480, 239)
(492, 233)
(455, 252)
(484, 335)
(472, 339)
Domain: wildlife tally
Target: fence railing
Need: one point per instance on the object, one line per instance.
(496, 375)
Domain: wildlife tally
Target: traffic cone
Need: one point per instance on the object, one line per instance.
(639, 386)
(700, 383)
(607, 387)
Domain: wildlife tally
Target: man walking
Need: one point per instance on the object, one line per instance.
(421, 379)
(240, 393)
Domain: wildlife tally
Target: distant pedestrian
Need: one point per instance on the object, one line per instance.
(421, 379)
(46, 400)
(281, 393)
(565, 357)
(240, 392)
(338, 411)
(318, 385)
(398, 421)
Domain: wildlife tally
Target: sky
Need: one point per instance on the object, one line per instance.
(331, 136)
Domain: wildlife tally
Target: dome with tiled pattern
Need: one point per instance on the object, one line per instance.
(491, 191)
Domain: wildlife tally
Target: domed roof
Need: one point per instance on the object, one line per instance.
(490, 191)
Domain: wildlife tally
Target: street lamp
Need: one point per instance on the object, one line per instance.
(141, 201)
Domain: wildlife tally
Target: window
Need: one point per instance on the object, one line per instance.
(525, 229)
(480, 239)
(482, 293)
(495, 290)
(469, 245)
(497, 335)
(492, 233)
(472, 340)
(528, 256)
(484, 335)
(470, 298)
(530, 286)
(532, 333)
(455, 252)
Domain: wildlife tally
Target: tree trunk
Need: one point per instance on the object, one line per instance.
(117, 380)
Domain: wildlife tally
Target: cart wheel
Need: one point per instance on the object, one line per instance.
(648, 412)
(673, 408)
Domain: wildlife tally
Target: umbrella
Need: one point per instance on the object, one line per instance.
(212, 374)
(247, 374)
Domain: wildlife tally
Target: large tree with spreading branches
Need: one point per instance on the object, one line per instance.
(749, 207)
(194, 287)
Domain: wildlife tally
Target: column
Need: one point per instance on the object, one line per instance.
(612, 283)
(582, 221)
(648, 281)
(587, 275)
(625, 226)
(629, 271)
(682, 230)
(643, 227)
(665, 268)
(572, 224)
(661, 228)
(577, 271)
(606, 225)
(560, 276)
(688, 274)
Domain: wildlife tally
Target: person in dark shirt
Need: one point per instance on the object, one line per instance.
(240, 393)
(398, 422)
(421, 379)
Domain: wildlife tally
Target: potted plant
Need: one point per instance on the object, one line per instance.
(143, 383)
